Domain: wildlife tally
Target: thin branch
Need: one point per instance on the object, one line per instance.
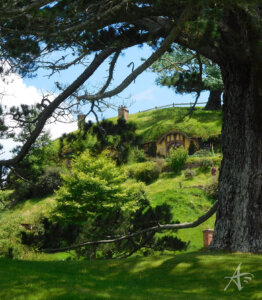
(172, 64)
(22, 10)
(156, 228)
(192, 108)
(20, 176)
(137, 247)
(156, 55)
(48, 111)
(111, 71)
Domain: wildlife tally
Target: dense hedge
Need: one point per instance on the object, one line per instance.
(146, 172)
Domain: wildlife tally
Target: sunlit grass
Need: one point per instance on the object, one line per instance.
(152, 124)
(196, 275)
(188, 203)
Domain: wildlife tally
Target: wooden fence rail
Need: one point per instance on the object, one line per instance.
(171, 105)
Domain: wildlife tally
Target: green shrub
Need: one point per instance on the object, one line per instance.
(48, 182)
(212, 189)
(177, 158)
(217, 160)
(189, 174)
(194, 162)
(22, 190)
(10, 238)
(6, 197)
(146, 172)
(202, 153)
(205, 164)
(94, 185)
(96, 197)
(152, 149)
(137, 155)
(161, 162)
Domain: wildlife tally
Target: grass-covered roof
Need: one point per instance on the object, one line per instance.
(151, 125)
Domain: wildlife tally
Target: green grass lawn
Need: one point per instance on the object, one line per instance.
(189, 276)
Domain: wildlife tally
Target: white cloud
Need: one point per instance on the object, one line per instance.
(57, 129)
(147, 95)
(15, 92)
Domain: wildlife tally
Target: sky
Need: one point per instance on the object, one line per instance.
(142, 94)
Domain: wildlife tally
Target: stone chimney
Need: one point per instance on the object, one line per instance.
(80, 120)
(207, 236)
(123, 113)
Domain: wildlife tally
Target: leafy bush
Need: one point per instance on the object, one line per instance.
(217, 160)
(202, 153)
(137, 155)
(205, 164)
(162, 164)
(6, 197)
(47, 234)
(140, 155)
(189, 174)
(121, 137)
(95, 185)
(146, 172)
(10, 238)
(152, 149)
(177, 158)
(48, 182)
(170, 243)
(96, 197)
(22, 190)
(194, 162)
(212, 189)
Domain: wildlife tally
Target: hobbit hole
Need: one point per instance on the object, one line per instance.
(170, 140)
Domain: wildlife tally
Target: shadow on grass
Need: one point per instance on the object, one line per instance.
(186, 276)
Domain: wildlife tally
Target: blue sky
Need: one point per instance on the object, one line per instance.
(140, 95)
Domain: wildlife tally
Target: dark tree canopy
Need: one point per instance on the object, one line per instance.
(227, 32)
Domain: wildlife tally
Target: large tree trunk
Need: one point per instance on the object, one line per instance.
(239, 216)
(214, 101)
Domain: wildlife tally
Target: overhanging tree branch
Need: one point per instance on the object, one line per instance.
(21, 10)
(156, 228)
(47, 112)
(97, 61)
(175, 31)
(111, 72)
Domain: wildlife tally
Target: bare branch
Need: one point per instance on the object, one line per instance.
(18, 11)
(111, 71)
(156, 55)
(47, 112)
(21, 177)
(158, 228)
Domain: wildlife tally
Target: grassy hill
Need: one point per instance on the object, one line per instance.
(187, 203)
(152, 124)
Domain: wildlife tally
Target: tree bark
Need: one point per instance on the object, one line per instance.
(214, 100)
(238, 224)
